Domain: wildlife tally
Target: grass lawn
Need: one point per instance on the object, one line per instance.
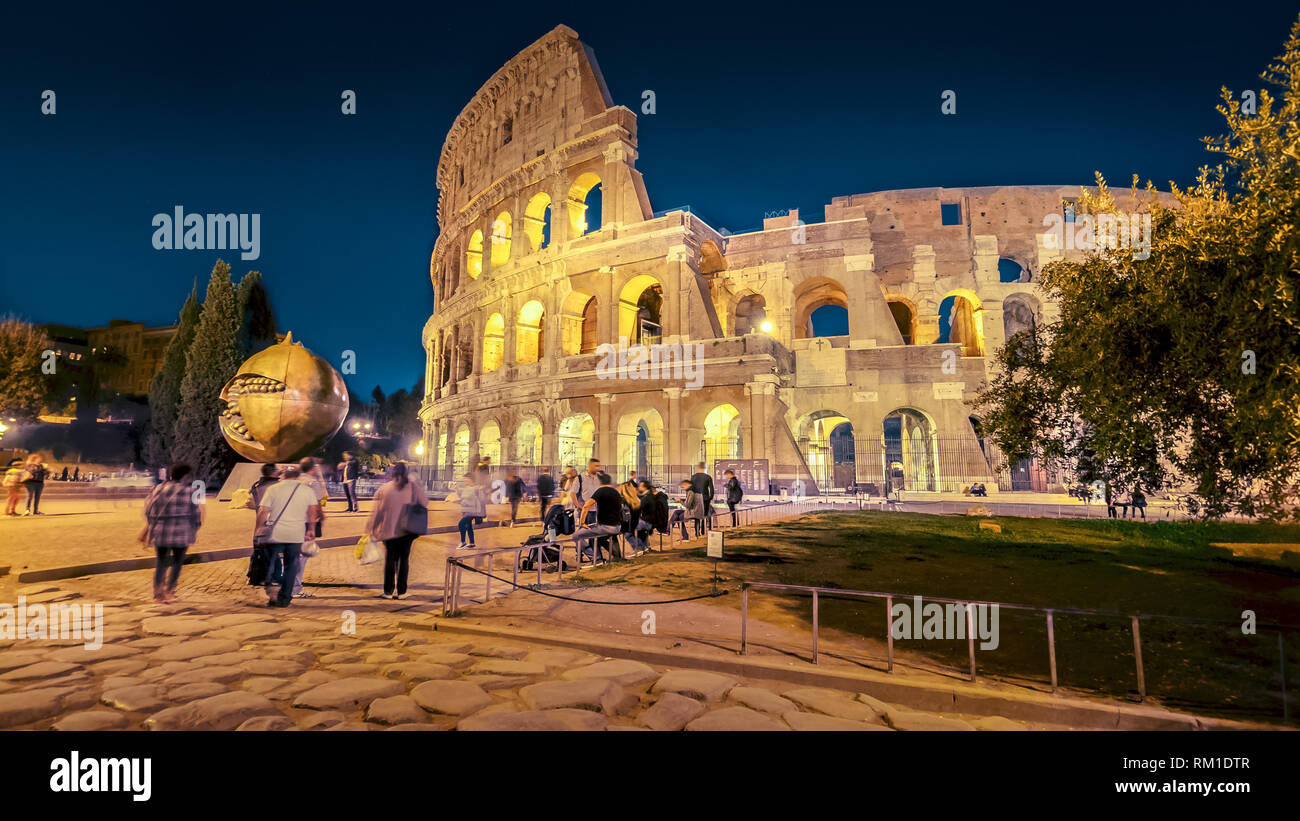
(1155, 568)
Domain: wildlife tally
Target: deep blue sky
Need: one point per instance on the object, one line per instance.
(235, 108)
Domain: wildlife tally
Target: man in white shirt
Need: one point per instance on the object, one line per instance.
(291, 509)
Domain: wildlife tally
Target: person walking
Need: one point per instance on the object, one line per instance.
(1110, 502)
(702, 483)
(734, 494)
(1139, 502)
(387, 524)
(349, 469)
(35, 483)
(172, 520)
(260, 570)
(472, 507)
(13, 484)
(605, 506)
(545, 490)
(514, 494)
(288, 512)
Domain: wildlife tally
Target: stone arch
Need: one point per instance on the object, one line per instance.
(961, 321)
(577, 440)
(502, 230)
(489, 442)
(530, 333)
(827, 443)
(537, 221)
(494, 343)
(640, 309)
(904, 314)
(721, 434)
(582, 220)
(911, 449)
(579, 321)
(640, 444)
(812, 294)
(1012, 270)
(750, 314)
(460, 451)
(474, 254)
(528, 440)
(1021, 312)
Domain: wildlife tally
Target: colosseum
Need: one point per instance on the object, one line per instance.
(836, 353)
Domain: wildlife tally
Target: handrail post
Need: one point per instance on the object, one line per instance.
(889, 630)
(1051, 647)
(814, 608)
(744, 617)
(1281, 653)
(1137, 657)
(970, 636)
(487, 579)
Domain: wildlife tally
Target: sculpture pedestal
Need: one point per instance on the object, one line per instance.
(242, 475)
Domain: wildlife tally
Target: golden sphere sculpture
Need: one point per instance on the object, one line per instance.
(282, 404)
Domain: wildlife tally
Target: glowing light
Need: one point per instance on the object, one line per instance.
(419, 448)
(766, 327)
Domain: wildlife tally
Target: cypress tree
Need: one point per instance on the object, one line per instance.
(213, 358)
(257, 329)
(165, 389)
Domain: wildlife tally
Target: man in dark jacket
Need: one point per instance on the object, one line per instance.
(654, 510)
(702, 483)
(514, 494)
(545, 490)
(349, 470)
(734, 494)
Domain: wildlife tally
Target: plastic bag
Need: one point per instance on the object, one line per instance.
(371, 553)
(361, 546)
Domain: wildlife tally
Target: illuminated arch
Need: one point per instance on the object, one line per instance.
(489, 442)
(530, 340)
(460, 451)
(579, 323)
(640, 307)
(721, 434)
(826, 437)
(577, 440)
(814, 294)
(537, 222)
(494, 343)
(528, 441)
(641, 444)
(474, 254)
(904, 313)
(751, 313)
(582, 218)
(911, 449)
(961, 321)
(501, 232)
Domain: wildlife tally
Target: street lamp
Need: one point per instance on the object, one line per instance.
(766, 327)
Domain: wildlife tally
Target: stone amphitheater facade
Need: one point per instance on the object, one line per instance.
(531, 278)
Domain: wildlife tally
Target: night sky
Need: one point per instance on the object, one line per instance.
(234, 108)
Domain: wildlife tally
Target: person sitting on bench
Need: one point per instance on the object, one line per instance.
(609, 518)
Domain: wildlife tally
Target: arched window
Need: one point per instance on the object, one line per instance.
(905, 319)
(590, 327)
(530, 340)
(640, 304)
(960, 322)
(537, 222)
(494, 343)
(751, 313)
(474, 254)
(585, 203)
(1011, 271)
(501, 239)
(821, 308)
(721, 434)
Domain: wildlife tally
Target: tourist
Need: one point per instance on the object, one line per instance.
(76, 473)
(702, 483)
(387, 524)
(677, 515)
(569, 489)
(63, 477)
(605, 507)
(289, 512)
(654, 512)
(35, 483)
(260, 567)
(514, 494)
(310, 475)
(473, 507)
(545, 490)
(734, 494)
(173, 517)
(483, 469)
(631, 511)
(348, 470)
(1139, 502)
(587, 482)
(693, 503)
(13, 484)
(1110, 502)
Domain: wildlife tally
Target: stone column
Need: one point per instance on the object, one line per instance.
(674, 314)
(756, 429)
(606, 445)
(673, 432)
(560, 208)
(551, 448)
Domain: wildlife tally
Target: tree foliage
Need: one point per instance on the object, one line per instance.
(1182, 369)
(23, 386)
(165, 389)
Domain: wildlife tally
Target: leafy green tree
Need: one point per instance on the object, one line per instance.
(1182, 369)
(165, 389)
(212, 359)
(23, 386)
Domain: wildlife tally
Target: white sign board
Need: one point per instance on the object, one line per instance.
(715, 544)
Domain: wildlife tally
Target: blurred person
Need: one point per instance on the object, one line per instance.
(260, 567)
(34, 482)
(545, 490)
(387, 524)
(693, 502)
(173, 517)
(702, 483)
(514, 495)
(654, 512)
(289, 512)
(734, 494)
(631, 512)
(473, 507)
(349, 470)
(605, 508)
(13, 484)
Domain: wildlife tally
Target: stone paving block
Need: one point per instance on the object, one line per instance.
(508, 667)
(597, 694)
(154, 642)
(272, 667)
(818, 721)
(351, 726)
(347, 693)
(118, 682)
(299, 655)
(16, 659)
(498, 651)
(454, 660)
(121, 667)
(731, 719)
(430, 726)
(91, 721)
(874, 703)
(400, 709)
(997, 723)
(142, 698)
(418, 671)
(230, 619)
(357, 669)
(321, 721)
(500, 682)
(340, 657)
(909, 720)
(224, 675)
(197, 690)
(562, 658)
(623, 671)
(253, 631)
(535, 720)
(264, 685)
(40, 670)
(698, 684)
(761, 699)
(671, 712)
(457, 698)
(84, 655)
(176, 625)
(267, 723)
(27, 706)
(194, 648)
(221, 712)
(384, 656)
(832, 703)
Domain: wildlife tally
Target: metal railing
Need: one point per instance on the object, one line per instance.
(969, 606)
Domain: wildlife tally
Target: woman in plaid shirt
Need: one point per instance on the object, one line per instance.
(174, 518)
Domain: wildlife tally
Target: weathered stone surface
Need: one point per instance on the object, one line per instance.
(433, 726)
(384, 656)
(351, 727)
(906, 720)
(272, 667)
(252, 631)
(997, 723)
(300, 655)
(194, 648)
(500, 682)
(624, 671)
(564, 719)
(761, 699)
(267, 723)
(562, 658)
(874, 703)
(698, 684)
(498, 651)
(731, 719)
(508, 667)
(221, 712)
(356, 669)
(91, 721)
(154, 642)
(197, 690)
(121, 667)
(453, 660)
(26, 706)
(347, 693)
(221, 674)
(817, 721)
(396, 710)
(322, 721)
(418, 671)
(584, 694)
(40, 670)
(671, 712)
(832, 703)
(84, 655)
(340, 657)
(118, 682)
(461, 647)
(176, 625)
(269, 686)
(17, 659)
(228, 619)
(142, 698)
(457, 698)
